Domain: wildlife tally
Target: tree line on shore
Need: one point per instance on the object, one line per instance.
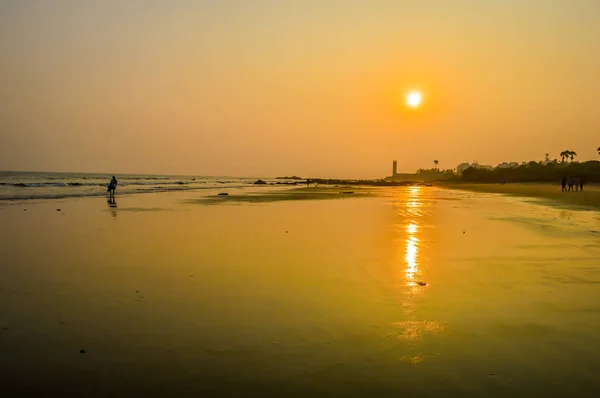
(534, 172)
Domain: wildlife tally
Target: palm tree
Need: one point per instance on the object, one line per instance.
(564, 155)
(436, 162)
(572, 154)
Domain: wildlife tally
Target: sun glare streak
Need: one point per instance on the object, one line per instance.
(413, 191)
(411, 209)
(412, 251)
(412, 239)
(411, 228)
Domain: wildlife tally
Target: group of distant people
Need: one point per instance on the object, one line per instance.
(572, 183)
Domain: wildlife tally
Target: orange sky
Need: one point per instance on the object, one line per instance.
(312, 88)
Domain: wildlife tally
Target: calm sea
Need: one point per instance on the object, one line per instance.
(35, 185)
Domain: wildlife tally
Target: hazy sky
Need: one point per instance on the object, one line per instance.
(306, 87)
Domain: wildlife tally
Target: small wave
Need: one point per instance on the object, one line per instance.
(102, 193)
(150, 178)
(89, 184)
(127, 183)
(86, 184)
(38, 184)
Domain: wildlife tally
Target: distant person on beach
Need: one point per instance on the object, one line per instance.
(112, 186)
(308, 182)
(563, 183)
(576, 181)
(581, 182)
(570, 183)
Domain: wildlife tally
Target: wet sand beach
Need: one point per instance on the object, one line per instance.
(550, 194)
(385, 292)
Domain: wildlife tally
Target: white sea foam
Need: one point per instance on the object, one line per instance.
(26, 185)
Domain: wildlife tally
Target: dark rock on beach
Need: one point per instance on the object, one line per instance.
(259, 182)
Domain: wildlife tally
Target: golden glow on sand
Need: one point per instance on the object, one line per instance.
(414, 99)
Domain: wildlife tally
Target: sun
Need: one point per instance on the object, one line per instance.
(414, 99)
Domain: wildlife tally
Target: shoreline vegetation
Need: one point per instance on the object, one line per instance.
(533, 172)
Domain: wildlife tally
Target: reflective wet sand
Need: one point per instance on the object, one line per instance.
(414, 292)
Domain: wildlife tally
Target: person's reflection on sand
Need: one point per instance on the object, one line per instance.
(113, 206)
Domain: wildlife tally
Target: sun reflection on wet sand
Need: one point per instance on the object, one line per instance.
(414, 330)
(412, 234)
(412, 251)
(411, 248)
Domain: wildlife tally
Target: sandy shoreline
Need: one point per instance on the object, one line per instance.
(549, 193)
(171, 294)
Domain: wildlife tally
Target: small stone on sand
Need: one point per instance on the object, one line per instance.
(82, 351)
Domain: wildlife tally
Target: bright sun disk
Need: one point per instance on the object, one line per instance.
(414, 99)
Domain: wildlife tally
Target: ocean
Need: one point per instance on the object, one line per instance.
(43, 185)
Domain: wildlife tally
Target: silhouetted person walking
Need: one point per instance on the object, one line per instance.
(112, 186)
(563, 183)
(581, 182)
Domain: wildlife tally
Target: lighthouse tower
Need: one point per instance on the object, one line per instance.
(394, 168)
